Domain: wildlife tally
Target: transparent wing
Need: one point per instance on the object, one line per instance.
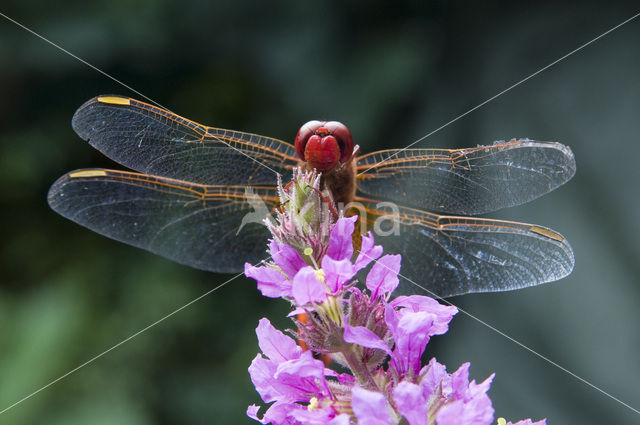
(458, 255)
(154, 141)
(466, 181)
(196, 225)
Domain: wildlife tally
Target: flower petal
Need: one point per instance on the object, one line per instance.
(342, 419)
(306, 287)
(432, 375)
(300, 379)
(287, 258)
(482, 387)
(460, 413)
(346, 379)
(369, 407)
(411, 334)
(271, 282)
(459, 382)
(411, 403)
(368, 252)
(252, 412)
(303, 367)
(473, 408)
(528, 422)
(296, 311)
(277, 414)
(261, 372)
(383, 276)
(476, 411)
(317, 416)
(364, 337)
(443, 313)
(337, 273)
(275, 344)
(340, 241)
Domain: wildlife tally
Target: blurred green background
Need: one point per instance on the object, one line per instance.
(392, 72)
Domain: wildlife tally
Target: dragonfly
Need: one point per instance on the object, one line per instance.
(187, 196)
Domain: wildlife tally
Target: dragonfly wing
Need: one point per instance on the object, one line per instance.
(449, 255)
(154, 141)
(466, 181)
(192, 224)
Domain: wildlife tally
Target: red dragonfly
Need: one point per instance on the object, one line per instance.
(187, 199)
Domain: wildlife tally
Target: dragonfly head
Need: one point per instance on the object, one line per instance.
(324, 144)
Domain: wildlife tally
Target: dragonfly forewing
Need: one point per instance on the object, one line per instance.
(197, 225)
(155, 141)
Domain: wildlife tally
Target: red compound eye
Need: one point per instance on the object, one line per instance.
(324, 144)
(306, 131)
(343, 137)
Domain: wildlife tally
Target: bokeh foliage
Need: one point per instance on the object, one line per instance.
(391, 71)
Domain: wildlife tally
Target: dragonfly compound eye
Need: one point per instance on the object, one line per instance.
(323, 144)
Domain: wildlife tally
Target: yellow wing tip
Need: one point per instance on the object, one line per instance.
(87, 173)
(114, 100)
(546, 232)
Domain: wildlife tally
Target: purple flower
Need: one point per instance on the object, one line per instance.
(368, 252)
(297, 414)
(278, 413)
(470, 404)
(369, 407)
(276, 345)
(410, 333)
(431, 376)
(337, 273)
(360, 329)
(287, 258)
(342, 419)
(306, 287)
(501, 421)
(346, 379)
(451, 398)
(412, 402)
(287, 374)
(383, 276)
(277, 279)
(364, 337)
(413, 320)
(340, 242)
(272, 282)
(443, 313)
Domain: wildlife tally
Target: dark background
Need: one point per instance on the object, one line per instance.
(392, 72)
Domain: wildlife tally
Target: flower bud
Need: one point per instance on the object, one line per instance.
(306, 216)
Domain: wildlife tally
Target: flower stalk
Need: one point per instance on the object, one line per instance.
(379, 340)
(359, 370)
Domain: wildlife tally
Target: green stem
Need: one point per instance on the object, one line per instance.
(360, 370)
